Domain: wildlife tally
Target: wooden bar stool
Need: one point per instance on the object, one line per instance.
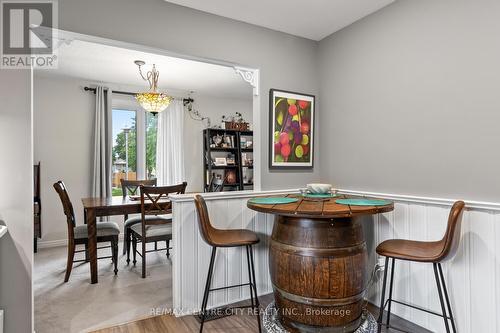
(428, 252)
(226, 238)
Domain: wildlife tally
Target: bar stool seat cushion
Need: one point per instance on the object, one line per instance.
(153, 230)
(233, 237)
(137, 219)
(411, 250)
(103, 229)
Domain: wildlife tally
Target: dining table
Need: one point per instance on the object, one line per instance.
(99, 207)
(318, 260)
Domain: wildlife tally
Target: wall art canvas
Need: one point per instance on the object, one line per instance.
(291, 129)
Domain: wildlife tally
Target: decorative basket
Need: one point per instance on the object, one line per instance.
(231, 125)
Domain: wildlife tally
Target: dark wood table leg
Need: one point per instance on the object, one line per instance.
(92, 247)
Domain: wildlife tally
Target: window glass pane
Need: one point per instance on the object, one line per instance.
(151, 131)
(124, 148)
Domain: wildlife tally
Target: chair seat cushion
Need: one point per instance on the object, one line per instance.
(153, 230)
(137, 219)
(234, 237)
(411, 250)
(103, 229)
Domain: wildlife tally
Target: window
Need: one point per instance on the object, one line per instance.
(151, 130)
(134, 143)
(124, 155)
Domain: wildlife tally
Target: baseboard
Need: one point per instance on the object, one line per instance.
(52, 243)
(59, 242)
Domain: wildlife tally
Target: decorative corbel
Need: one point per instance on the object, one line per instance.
(251, 76)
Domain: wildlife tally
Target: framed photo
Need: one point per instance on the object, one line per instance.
(220, 161)
(291, 122)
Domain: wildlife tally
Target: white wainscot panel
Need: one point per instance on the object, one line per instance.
(472, 276)
(191, 256)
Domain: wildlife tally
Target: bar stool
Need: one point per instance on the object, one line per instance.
(426, 252)
(226, 238)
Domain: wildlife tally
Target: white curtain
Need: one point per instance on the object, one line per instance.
(170, 145)
(103, 145)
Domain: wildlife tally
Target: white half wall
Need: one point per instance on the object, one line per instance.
(472, 276)
(191, 256)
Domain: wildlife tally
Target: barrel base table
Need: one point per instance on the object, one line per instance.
(318, 264)
(272, 323)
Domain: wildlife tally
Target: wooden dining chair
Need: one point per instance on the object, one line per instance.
(156, 219)
(78, 235)
(226, 238)
(426, 252)
(216, 185)
(131, 187)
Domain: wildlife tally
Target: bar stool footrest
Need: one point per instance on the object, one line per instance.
(416, 307)
(214, 314)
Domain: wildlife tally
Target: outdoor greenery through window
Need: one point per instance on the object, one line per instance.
(151, 130)
(134, 146)
(124, 148)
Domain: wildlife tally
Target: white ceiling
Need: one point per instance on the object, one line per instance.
(114, 65)
(313, 19)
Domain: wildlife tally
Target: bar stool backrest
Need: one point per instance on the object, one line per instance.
(451, 239)
(206, 228)
(67, 207)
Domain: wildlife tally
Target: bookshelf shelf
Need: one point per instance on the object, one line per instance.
(210, 153)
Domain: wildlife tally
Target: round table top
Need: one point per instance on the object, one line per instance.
(319, 208)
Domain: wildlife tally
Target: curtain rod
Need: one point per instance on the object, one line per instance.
(185, 100)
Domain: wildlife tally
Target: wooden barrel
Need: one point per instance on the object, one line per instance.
(318, 271)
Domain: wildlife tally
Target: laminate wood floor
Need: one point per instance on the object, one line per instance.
(236, 323)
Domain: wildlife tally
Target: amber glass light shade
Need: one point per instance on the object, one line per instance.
(153, 102)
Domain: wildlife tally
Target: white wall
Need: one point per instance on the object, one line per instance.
(285, 61)
(63, 131)
(16, 201)
(410, 100)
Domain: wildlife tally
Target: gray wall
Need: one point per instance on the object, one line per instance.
(16, 201)
(62, 130)
(410, 100)
(285, 61)
(215, 108)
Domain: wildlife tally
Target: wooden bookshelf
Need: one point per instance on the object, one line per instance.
(235, 148)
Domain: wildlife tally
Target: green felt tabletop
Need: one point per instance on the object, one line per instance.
(363, 202)
(272, 201)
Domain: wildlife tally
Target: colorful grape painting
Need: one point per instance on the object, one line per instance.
(292, 130)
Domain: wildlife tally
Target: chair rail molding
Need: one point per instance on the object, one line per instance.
(472, 276)
(469, 204)
(249, 75)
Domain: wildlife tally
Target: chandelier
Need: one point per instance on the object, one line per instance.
(152, 100)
